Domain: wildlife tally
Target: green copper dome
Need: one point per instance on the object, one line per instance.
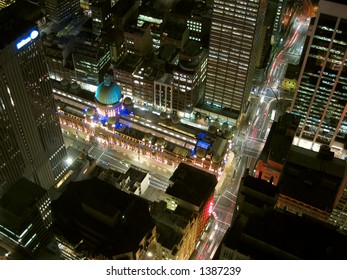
(108, 93)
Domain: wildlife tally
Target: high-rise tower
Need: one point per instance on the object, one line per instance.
(321, 97)
(60, 11)
(5, 3)
(232, 52)
(31, 142)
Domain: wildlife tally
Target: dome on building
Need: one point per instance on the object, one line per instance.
(108, 93)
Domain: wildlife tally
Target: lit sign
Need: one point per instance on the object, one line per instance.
(25, 41)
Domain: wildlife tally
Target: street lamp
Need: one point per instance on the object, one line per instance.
(68, 161)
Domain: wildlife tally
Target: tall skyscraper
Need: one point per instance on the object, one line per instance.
(279, 13)
(91, 58)
(320, 99)
(233, 48)
(25, 223)
(31, 142)
(60, 11)
(5, 3)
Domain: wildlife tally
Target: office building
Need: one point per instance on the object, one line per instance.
(138, 40)
(163, 93)
(62, 11)
(123, 12)
(261, 232)
(155, 16)
(123, 72)
(132, 181)
(58, 53)
(176, 231)
(199, 24)
(95, 220)
(25, 221)
(193, 189)
(135, 76)
(320, 98)
(91, 58)
(232, 51)
(31, 142)
(278, 143)
(189, 77)
(312, 184)
(5, 3)
(279, 14)
(264, 44)
(175, 34)
(101, 15)
(175, 30)
(281, 236)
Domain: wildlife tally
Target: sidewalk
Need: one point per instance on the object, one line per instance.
(228, 169)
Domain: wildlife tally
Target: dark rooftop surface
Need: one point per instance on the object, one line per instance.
(86, 95)
(171, 224)
(18, 204)
(297, 237)
(168, 52)
(22, 195)
(260, 185)
(309, 159)
(99, 3)
(122, 7)
(110, 221)
(193, 48)
(280, 138)
(17, 19)
(311, 180)
(192, 184)
(183, 8)
(224, 112)
(129, 63)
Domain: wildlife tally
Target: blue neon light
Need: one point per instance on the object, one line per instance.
(203, 144)
(34, 34)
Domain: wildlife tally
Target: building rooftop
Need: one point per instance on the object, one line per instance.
(192, 49)
(168, 52)
(310, 179)
(98, 3)
(221, 111)
(153, 9)
(110, 221)
(219, 146)
(78, 92)
(165, 79)
(17, 19)
(146, 69)
(121, 8)
(108, 93)
(170, 224)
(129, 63)
(280, 138)
(18, 204)
(87, 37)
(285, 236)
(191, 184)
(133, 176)
(260, 185)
